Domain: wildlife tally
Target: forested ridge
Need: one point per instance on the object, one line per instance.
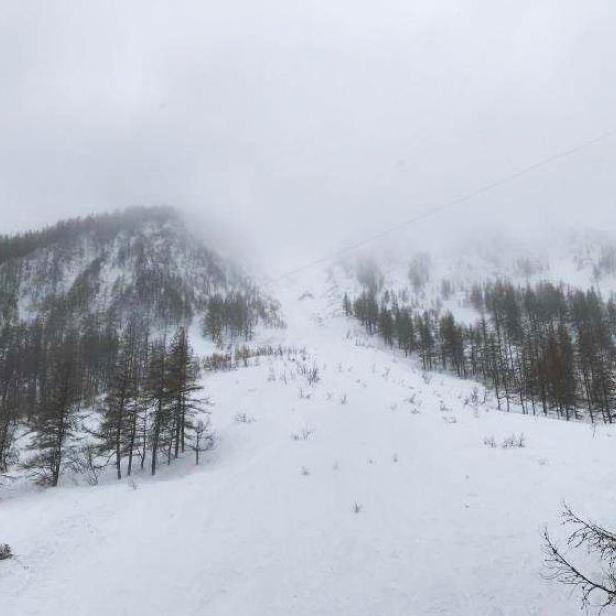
(143, 259)
(546, 347)
(94, 316)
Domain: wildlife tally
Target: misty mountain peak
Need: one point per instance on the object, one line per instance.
(139, 260)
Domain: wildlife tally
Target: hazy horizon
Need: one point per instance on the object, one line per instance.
(301, 130)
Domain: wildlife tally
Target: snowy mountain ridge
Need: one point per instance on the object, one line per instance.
(142, 259)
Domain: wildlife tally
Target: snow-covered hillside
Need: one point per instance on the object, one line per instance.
(368, 492)
(141, 260)
(440, 277)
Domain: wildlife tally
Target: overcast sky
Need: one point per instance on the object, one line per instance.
(307, 124)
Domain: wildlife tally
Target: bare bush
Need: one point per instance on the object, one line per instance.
(5, 551)
(514, 440)
(243, 418)
(243, 354)
(86, 461)
(473, 399)
(303, 435)
(204, 438)
(219, 362)
(597, 542)
(313, 375)
(489, 441)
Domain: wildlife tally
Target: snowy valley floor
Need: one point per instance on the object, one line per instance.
(388, 504)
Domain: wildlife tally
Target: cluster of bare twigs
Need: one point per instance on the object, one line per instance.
(598, 589)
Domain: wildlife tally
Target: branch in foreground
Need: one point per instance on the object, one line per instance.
(562, 569)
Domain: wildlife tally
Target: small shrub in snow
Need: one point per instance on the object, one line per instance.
(344, 399)
(489, 441)
(85, 461)
(357, 508)
(305, 471)
(219, 362)
(5, 551)
(474, 397)
(515, 440)
(303, 435)
(512, 441)
(243, 418)
(204, 438)
(311, 374)
(395, 458)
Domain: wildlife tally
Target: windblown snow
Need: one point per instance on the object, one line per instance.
(370, 492)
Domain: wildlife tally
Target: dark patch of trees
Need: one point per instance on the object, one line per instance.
(142, 397)
(85, 379)
(237, 315)
(157, 267)
(548, 349)
(79, 305)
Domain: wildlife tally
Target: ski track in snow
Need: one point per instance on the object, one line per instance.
(267, 526)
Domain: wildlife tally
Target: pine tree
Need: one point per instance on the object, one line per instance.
(183, 384)
(117, 427)
(157, 396)
(57, 419)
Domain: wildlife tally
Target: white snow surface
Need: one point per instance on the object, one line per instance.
(267, 525)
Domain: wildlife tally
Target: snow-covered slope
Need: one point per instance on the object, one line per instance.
(448, 271)
(370, 492)
(140, 260)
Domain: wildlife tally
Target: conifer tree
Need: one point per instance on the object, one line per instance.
(57, 419)
(183, 384)
(118, 410)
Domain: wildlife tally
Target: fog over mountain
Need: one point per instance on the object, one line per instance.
(307, 308)
(305, 127)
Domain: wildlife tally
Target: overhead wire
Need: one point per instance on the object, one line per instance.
(453, 203)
